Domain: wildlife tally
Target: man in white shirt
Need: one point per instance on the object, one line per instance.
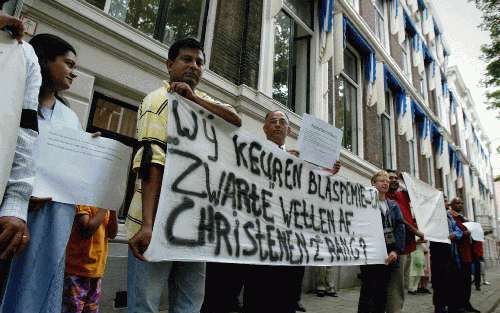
(14, 204)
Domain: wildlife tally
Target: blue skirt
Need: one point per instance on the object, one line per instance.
(36, 277)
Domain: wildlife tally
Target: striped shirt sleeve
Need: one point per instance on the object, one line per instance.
(22, 175)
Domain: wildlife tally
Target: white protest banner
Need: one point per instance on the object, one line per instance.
(72, 167)
(428, 206)
(12, 83)
(476, 231)
(319, 142)
(228, 196)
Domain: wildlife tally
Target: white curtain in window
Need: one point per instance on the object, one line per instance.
(326, 36)
(378, 90)
(418, 55)
(431, 35)
(432, 75)
(405, 121)
(427, 17)
(443, 159)
(425, 140)
(374, 88)
(397, 22)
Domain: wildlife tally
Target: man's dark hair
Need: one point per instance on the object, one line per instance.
(185, 43)
(271, 112)
(391, 171)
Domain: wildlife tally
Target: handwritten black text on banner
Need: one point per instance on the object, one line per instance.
(228, 196)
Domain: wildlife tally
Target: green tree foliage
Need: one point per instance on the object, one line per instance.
(491, 51)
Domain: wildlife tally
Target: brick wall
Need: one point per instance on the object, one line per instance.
(236, 42)
(367, 12)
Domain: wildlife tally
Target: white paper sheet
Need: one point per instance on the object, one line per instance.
(476, 231)
(74, 168)
(428, 206)
(319, 142)
(12, 83)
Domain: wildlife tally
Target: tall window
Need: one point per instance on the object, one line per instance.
(349, 97)
(380, 21)
(406, 56)
(430, 171)
(292, 45)
(385, 119)
(412, 148)
(164, 20)
(117, 120)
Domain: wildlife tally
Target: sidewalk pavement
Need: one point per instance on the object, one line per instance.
(485, 300)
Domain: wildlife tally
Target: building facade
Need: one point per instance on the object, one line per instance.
(375, 68)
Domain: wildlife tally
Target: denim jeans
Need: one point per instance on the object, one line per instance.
(186, 285)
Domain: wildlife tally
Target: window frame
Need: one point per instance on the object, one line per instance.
(430, 170)
(384, 38)
(128, 141)
(295, 22)
(406, 54)
(161, 19)
(390, 102)
(359, 97)
(413, 151)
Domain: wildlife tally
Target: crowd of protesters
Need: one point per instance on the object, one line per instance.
(53, 255)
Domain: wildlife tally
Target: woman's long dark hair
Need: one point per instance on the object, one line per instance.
(47, 48)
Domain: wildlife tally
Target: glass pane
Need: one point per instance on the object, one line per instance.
(379, 5)
(9, 7)
(348, 113)
(412, 157)
(98, 3)
(282, 48)
(184, 19)
(301, 8)
(115, 118)
(380, 28)
(350, 65)
(387, 103)
(140, 14)
(386, 141)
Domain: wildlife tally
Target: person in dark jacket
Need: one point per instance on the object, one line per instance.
(375, 277)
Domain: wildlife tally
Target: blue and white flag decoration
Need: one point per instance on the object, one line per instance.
(405, 121)
(325, 16)
(425, 138)
(443, 158)
(418, 54)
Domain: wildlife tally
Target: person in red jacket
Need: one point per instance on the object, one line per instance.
(465, 251)
(477, 257)
(396, 294)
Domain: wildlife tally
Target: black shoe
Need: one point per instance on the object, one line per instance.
(300, 307)
(320, 293)
(472, 309)
(412, 292)
(331, 294)
(424, 290)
